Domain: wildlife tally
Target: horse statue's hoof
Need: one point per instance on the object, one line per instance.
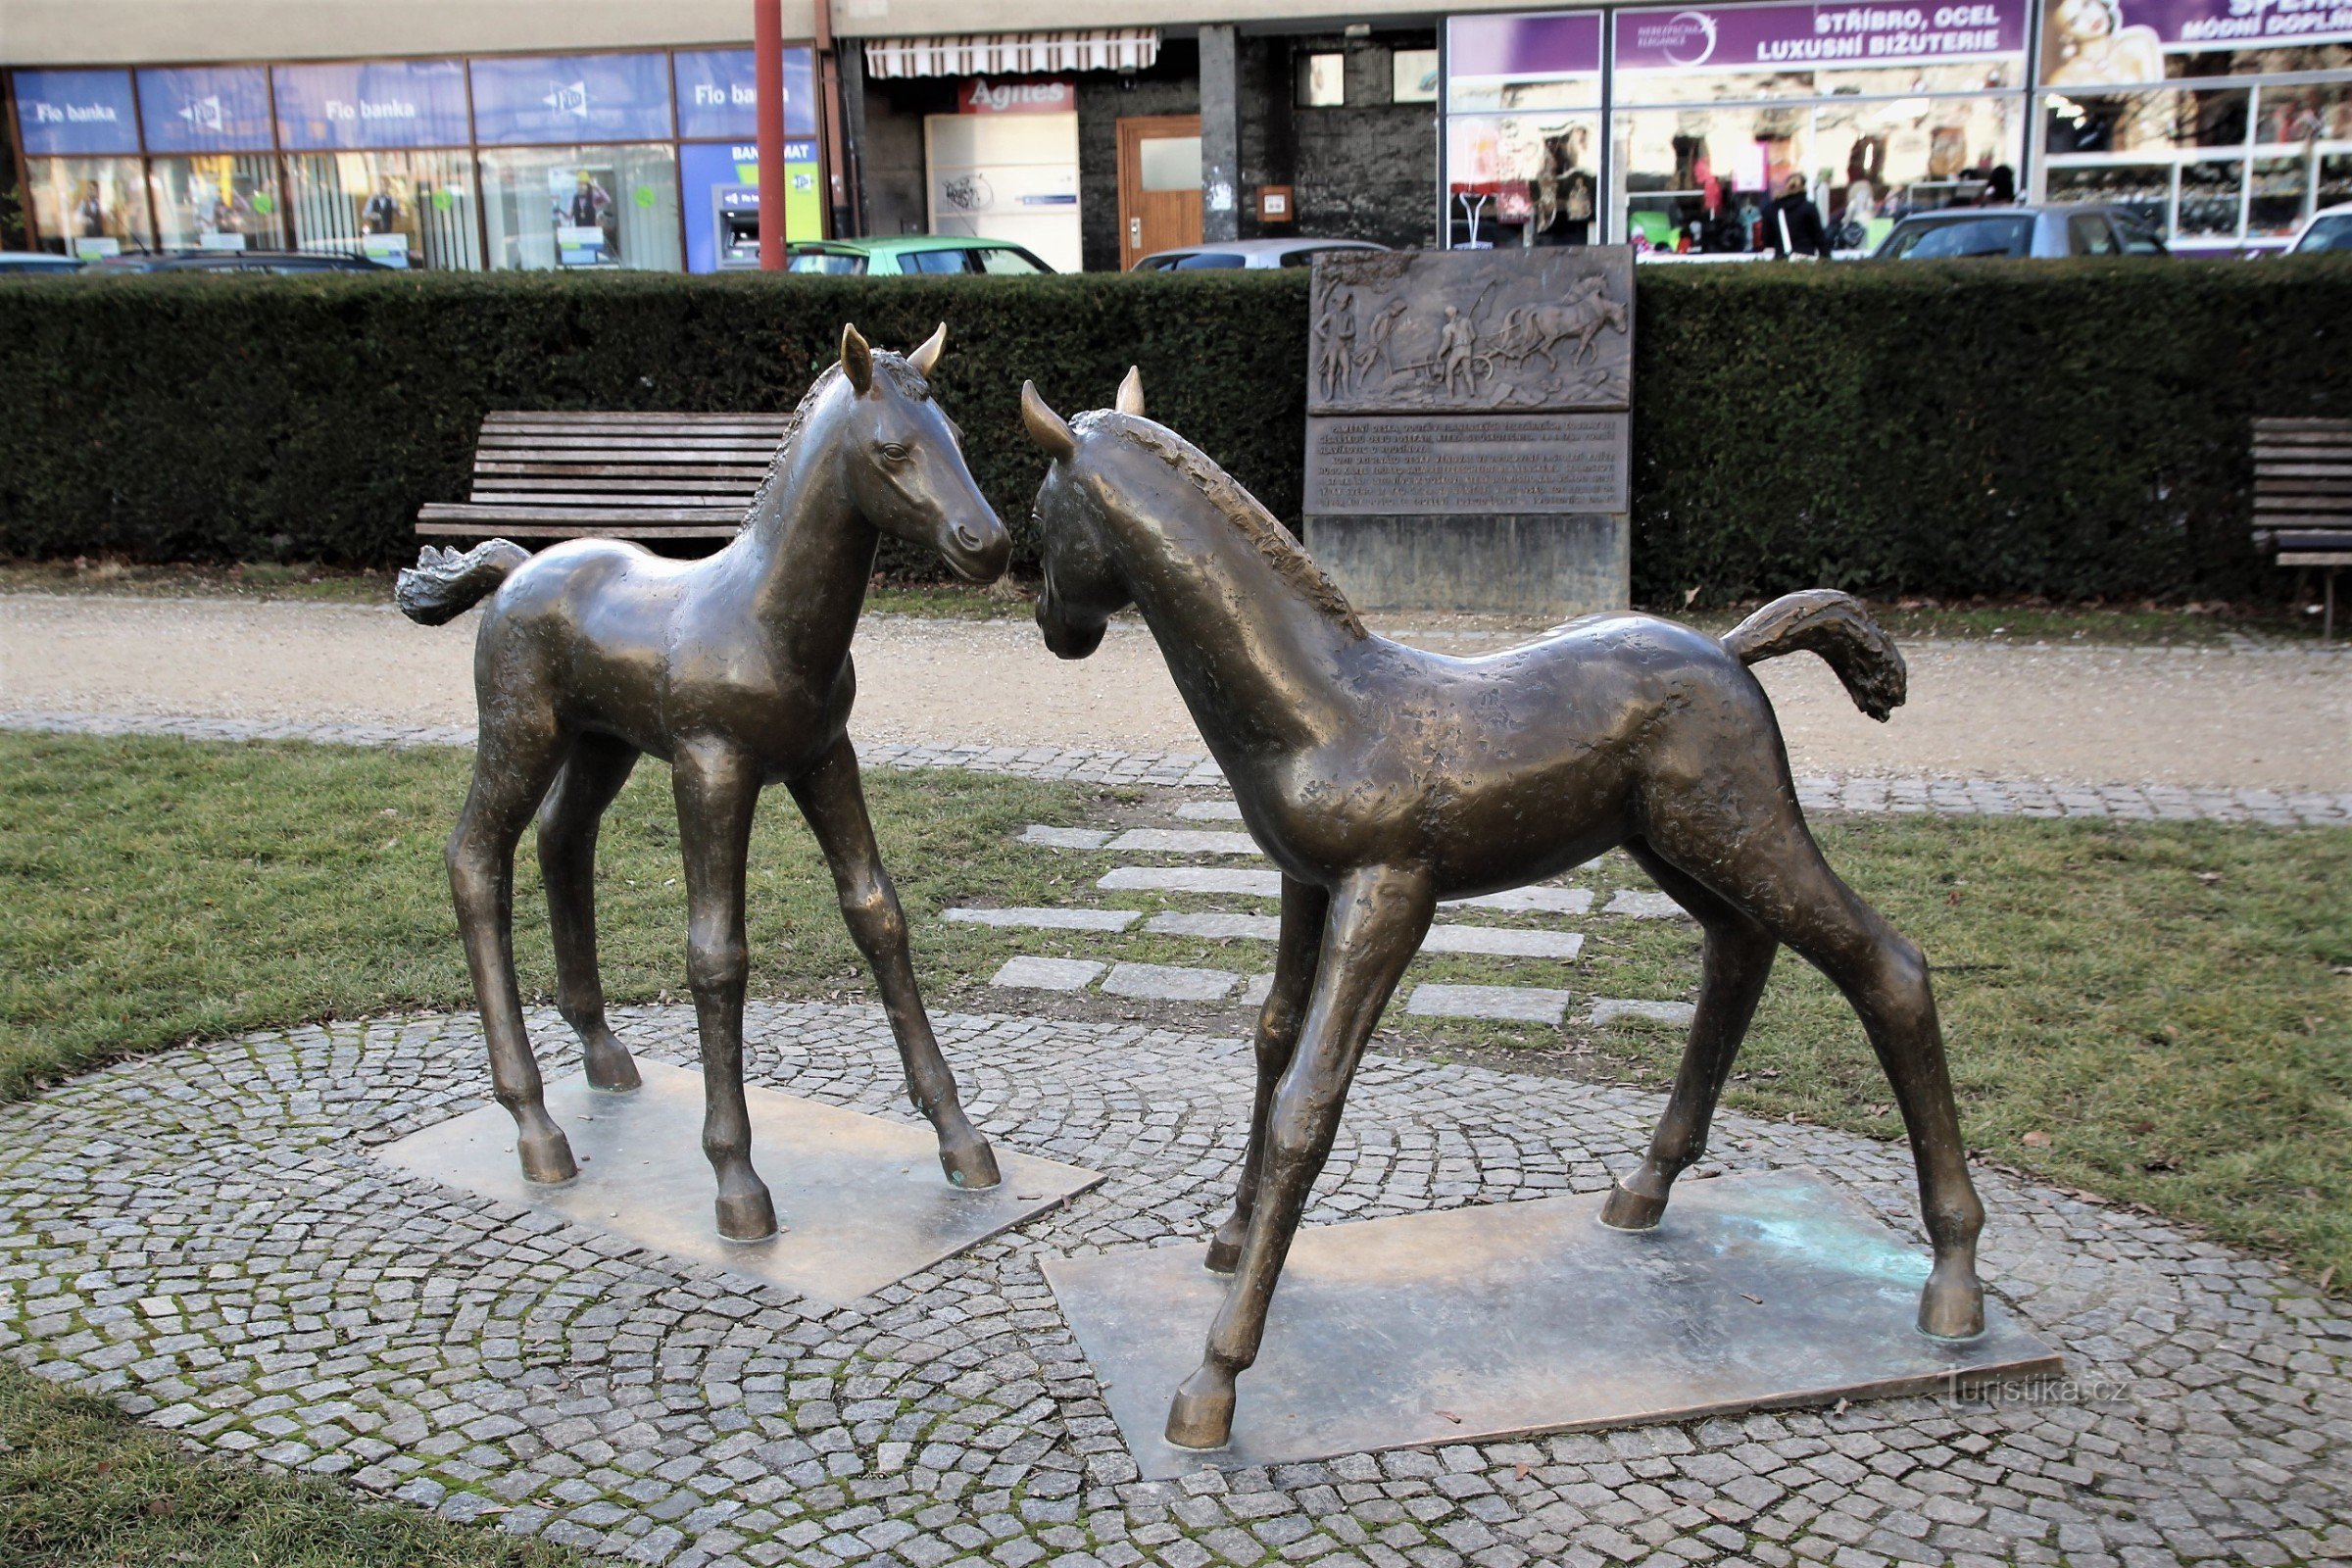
(1629, 1211)
(970, 1165)
(747, 1216)
(546, 1158)
(1952, 1306)
(1225, 1252)
(610, 1067)
(1201, 1419)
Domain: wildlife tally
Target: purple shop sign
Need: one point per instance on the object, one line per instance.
(206, 108)
(70, 113)
(1818, 37)
(380, 103)
(718, 94)
(1523, 48)
(2083, 40)
(571, 98)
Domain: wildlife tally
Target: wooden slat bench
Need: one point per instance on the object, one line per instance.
(611, 476)
(2303, 496)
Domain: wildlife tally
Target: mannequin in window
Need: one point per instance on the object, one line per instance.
(1563, 192)
(381, 216)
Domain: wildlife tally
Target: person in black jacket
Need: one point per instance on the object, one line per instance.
(1792, 223)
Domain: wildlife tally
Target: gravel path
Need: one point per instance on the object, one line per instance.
(2278, 718)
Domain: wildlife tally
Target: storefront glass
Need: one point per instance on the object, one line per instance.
(217, 201)
(718, 97)
(371, 104)
(400, 209)
(88, 206)
(1523, 128)
(2218, 122)
(549, 208)
(1882, 110)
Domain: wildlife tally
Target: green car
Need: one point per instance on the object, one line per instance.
(914, 255)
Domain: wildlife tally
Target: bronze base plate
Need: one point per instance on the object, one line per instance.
(1509, 1319)
(862, 1200)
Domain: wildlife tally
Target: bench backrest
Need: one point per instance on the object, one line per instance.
(576, 462)
(2302, 475)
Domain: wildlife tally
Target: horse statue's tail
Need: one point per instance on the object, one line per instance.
(1836, 626)
(443, 584)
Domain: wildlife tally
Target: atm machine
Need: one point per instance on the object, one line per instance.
(735, 226)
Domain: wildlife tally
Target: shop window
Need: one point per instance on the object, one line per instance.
(550, 208)
(2145, 190)
(2135, 121)
(1413, 76)
(1322, 81)
(1527, 178)
(1500, 62)
(398, 209)
(217, 201)
(2211, 190)
(89, 206)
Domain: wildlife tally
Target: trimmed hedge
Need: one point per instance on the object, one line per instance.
(2070, 429)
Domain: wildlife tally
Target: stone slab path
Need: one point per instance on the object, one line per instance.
(2238, 716)
(1095, 765)
(204, 1237)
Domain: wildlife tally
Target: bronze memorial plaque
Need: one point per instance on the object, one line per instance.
(1468, 426)
(1410, 464)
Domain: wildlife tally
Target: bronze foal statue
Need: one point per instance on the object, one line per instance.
(1380, 779)
(736, 669)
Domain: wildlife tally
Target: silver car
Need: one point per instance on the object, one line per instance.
(2020, 231)
(1249, 253)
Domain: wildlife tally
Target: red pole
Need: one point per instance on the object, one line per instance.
(767, 68)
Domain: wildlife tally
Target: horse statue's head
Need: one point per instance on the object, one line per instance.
(1083, 587)
(902, 460)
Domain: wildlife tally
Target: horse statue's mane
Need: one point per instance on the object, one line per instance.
(905, 378)
(1248, 514)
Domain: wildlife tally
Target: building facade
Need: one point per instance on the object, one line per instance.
(514, 135)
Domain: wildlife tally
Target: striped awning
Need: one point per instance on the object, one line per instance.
(1014, 54)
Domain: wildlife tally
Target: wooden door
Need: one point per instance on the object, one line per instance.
(1160, 184)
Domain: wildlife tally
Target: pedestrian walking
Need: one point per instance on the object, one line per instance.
(1792, 226)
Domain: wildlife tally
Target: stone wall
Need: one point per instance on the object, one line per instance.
(1364, 171)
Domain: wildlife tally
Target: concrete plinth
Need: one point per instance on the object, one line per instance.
(1511, 1319)
(862, 1200)
(1499, 565)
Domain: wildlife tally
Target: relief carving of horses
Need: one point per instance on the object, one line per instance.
(735, 670)
(1380, 779)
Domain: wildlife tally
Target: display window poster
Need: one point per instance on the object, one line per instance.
(76, 112)
(370, 104)
(2106, 42)
(718, 93)
(1813, 37)
(206, 108)
(720, 182)
(570, 98)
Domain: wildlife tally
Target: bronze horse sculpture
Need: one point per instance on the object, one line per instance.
(1380, 778)
(735, 668)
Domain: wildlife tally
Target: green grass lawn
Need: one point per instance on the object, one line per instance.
(2156, 1012)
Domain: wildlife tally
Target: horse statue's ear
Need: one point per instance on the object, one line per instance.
(857, 359)
(1131, 392)
(927, 355)
(1045, 427)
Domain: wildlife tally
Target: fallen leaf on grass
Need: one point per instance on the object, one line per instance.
(2036, 1140)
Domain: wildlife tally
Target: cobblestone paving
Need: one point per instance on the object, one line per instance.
(1849, 793)
(203, 1236)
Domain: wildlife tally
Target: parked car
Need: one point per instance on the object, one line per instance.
(2327, 230)
(38, 262)
(281, 262)
(914, 256)
(2020, 231)
(1246, 253)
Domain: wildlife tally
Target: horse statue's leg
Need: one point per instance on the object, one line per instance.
(1303, 908)
(1377, 919)
(512, 767)
(1738, 961)
(718, 789)
(833, 801)
(1745, 828)
(567, 823)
